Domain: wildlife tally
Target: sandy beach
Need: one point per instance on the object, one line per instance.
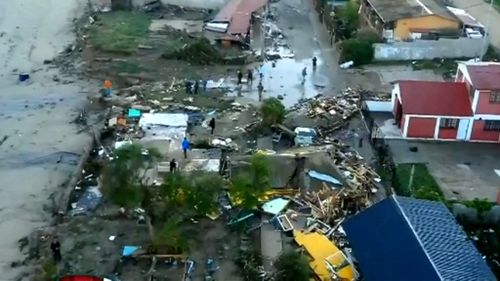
(38, 143)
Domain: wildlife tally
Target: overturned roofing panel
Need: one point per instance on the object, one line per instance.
(409, 239)
(238, 14)
(390, 10)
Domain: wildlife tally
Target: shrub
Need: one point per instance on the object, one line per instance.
(359, 51)
(273, 111)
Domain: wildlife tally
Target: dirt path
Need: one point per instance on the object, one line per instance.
(35, 118)
(480, 10)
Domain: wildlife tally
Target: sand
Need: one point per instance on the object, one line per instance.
(36, 118)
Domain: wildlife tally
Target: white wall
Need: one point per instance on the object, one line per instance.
(429, 49)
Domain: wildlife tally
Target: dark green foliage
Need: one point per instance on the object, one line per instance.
(193, 50)
(123, 178)
(273, 111)
(250, 184)
(359, 51)
(349, 17)
(292, 266)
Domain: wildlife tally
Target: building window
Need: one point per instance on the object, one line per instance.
(492, 125)
(495, 97)
(448, 123)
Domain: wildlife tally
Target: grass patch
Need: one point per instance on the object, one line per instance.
(119, 32)
(423, 186)
(128, 67)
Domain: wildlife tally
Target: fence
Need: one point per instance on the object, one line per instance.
(430, 49)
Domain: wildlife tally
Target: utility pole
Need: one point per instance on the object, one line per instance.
(486, 36)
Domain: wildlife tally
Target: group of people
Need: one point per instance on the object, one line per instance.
(194, 88)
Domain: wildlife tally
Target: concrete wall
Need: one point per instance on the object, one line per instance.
(403, 26)
(428, 49)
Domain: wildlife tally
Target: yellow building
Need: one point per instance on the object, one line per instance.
(325, 258)
(402, 20)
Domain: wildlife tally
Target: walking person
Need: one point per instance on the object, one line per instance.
(304, 73)
(260, 89)
(185, 146)
(107, 87)
(240, 77)
(55, 246)
(173, 166)
(196, 87)
(250, 76)
(211, 124)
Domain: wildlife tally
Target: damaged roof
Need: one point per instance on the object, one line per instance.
(409, 239)
(435, 98)
(237, 13)
(390, 10)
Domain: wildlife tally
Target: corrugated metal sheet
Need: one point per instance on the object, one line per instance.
(238, 14)
(408, 239)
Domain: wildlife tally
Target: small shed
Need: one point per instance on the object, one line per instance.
(409, 239)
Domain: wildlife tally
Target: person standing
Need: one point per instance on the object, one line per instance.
(196, 87)
(205, 82)
(260, 89)
(211, 124)
(240, 77)
(304, 73)
(185, 146)
(315, 61)
(250, 76)
(55, 246)
(188, 85)
(107, 87)
(173, 166)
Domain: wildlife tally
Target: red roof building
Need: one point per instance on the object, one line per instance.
(237, 15)
(442, 111)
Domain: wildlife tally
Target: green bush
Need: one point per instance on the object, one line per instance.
(359, 51)
(349, 17)
(196, 51)
(292, 266)
(273, 111)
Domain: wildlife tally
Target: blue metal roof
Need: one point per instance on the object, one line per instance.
(409, 239)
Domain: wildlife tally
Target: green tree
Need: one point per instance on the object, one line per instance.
(359, 51)
(349, 17)
(249, 185)
(273, 111)
(124, 178)
(292, 266)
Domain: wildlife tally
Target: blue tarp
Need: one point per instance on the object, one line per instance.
(323, 177)
(134, 113)
(409, 239)
(129, 250)
(89, 201)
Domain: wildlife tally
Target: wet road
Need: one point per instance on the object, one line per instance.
(306, 38)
